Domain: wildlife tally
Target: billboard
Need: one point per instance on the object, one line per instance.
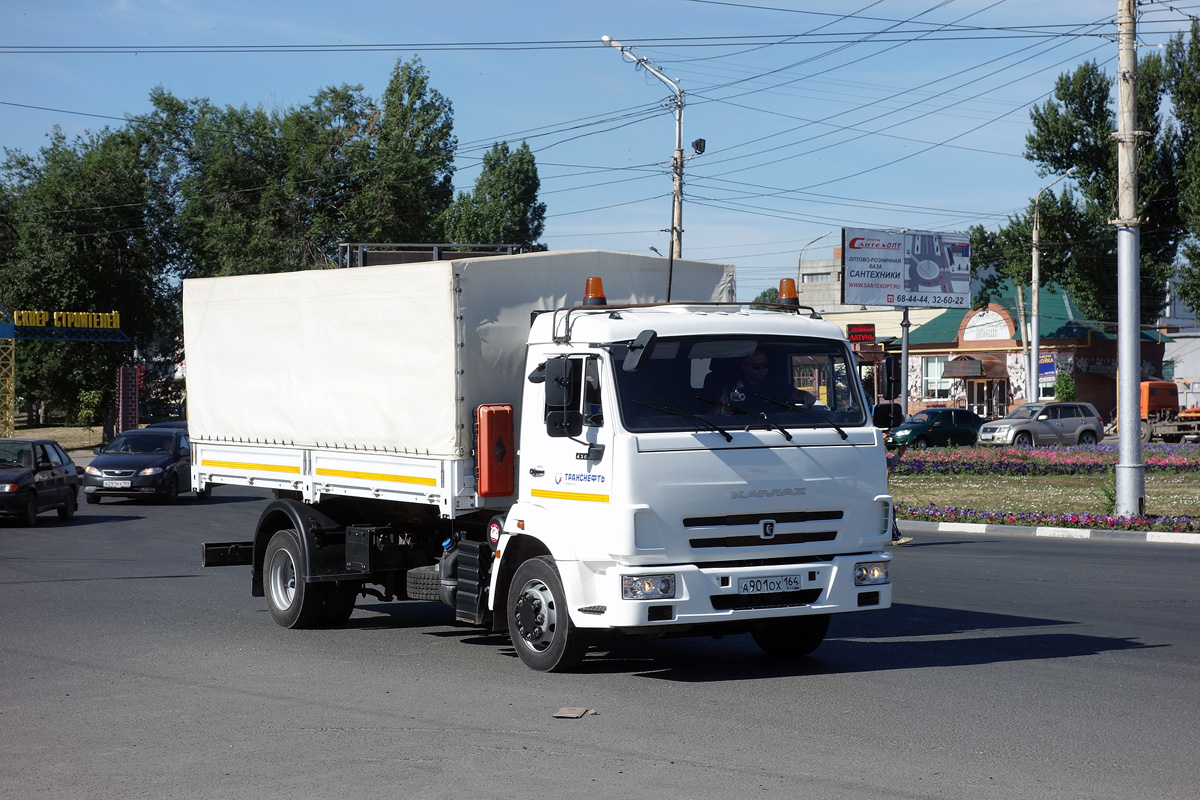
(915, 269)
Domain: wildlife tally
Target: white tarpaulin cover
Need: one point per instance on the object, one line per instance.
(391, 358)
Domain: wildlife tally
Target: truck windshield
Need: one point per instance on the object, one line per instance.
(693, 383)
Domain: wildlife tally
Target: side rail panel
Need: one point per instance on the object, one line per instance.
(312, 474)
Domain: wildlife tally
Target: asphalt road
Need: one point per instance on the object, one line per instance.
(1009, 668)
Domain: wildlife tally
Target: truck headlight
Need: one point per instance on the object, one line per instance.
(870, 573)
(647, 587)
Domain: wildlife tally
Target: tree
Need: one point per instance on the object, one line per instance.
(1183, 73)
(504, 208)
(257, 190)
(1078, 251)
(82, 215)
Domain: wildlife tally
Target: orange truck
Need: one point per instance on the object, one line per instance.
(1161, 415)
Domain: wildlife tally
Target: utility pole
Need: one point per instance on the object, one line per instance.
(677, 159)
(1035, 334)
(1130, 471)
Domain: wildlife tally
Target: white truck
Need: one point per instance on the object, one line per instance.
(564, 468)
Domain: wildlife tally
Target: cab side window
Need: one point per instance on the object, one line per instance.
(583, 391)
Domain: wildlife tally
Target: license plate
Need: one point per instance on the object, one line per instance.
(985, 437)
(773, 583)
(116, 484)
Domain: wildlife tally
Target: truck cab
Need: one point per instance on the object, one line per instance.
(694, 469)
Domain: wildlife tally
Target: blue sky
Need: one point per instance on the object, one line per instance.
(863, 113)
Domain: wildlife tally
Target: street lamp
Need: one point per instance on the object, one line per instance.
(800, 260)
(677, 159)
(1032, 377)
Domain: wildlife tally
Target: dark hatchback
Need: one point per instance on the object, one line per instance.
(147, 462)
(37, 475)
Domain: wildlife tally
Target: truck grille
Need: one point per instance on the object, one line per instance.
(758, 541)
(754, 518)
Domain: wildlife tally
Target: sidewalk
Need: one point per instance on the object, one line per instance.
(915, 528)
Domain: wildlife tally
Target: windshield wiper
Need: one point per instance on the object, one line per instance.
(737, 410)
(805, 409)
(676, 412)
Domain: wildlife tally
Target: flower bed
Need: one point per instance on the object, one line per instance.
(1043, 460)
(1036, 519)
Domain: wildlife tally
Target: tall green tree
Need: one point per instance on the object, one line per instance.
(83, 218)
(1078, 252)
(258, 190)
(1183, 72)
(504, 207)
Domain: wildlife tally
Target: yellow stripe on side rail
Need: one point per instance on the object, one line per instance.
(591, 498)
(250, 467)
(376, 476)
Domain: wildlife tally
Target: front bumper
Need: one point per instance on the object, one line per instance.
(138, 486)
(1004, 436)
(709, 596)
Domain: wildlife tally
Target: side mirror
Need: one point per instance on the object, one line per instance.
(640, 351)
(562, 424)
(96, 450)
(889, 377)
(1043, 417)
(558, 381)
(42, 466)
(887, 415)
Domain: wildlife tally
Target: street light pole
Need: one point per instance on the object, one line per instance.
(1032, 377)
(800, 260)
(677, 158)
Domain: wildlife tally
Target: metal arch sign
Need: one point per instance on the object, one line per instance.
(86, 326)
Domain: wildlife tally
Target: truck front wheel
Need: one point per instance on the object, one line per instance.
(798, 636)
(292, 602)
(538, 621)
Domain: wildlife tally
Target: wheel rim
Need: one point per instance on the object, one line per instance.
(535, 616)
(920, 444)
(282, 580)
(1087, 438)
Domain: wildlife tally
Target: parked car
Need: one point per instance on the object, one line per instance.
(37, 475)
(936, 427)
(1045, 424)
(147, 462)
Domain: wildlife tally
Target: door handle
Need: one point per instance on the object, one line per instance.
(537, 472)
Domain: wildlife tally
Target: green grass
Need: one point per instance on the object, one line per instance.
(1168, 494)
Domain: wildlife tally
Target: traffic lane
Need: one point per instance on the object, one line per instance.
(135, 672)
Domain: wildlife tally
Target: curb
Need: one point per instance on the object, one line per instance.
(1162, 537)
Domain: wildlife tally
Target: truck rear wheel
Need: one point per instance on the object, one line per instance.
(538, 621)
(798, 636)
(292, 602)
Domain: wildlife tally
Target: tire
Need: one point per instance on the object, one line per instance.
(172, 493)
(1147, 433)
(67, 509)
(1023, 439)
(92, 499)
(339, 604)
(422, 583)
(538, 620)
(1087, 438)
(788, 638)
(292, 602)
(29, 514)
(205, 493)
(920, 443)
